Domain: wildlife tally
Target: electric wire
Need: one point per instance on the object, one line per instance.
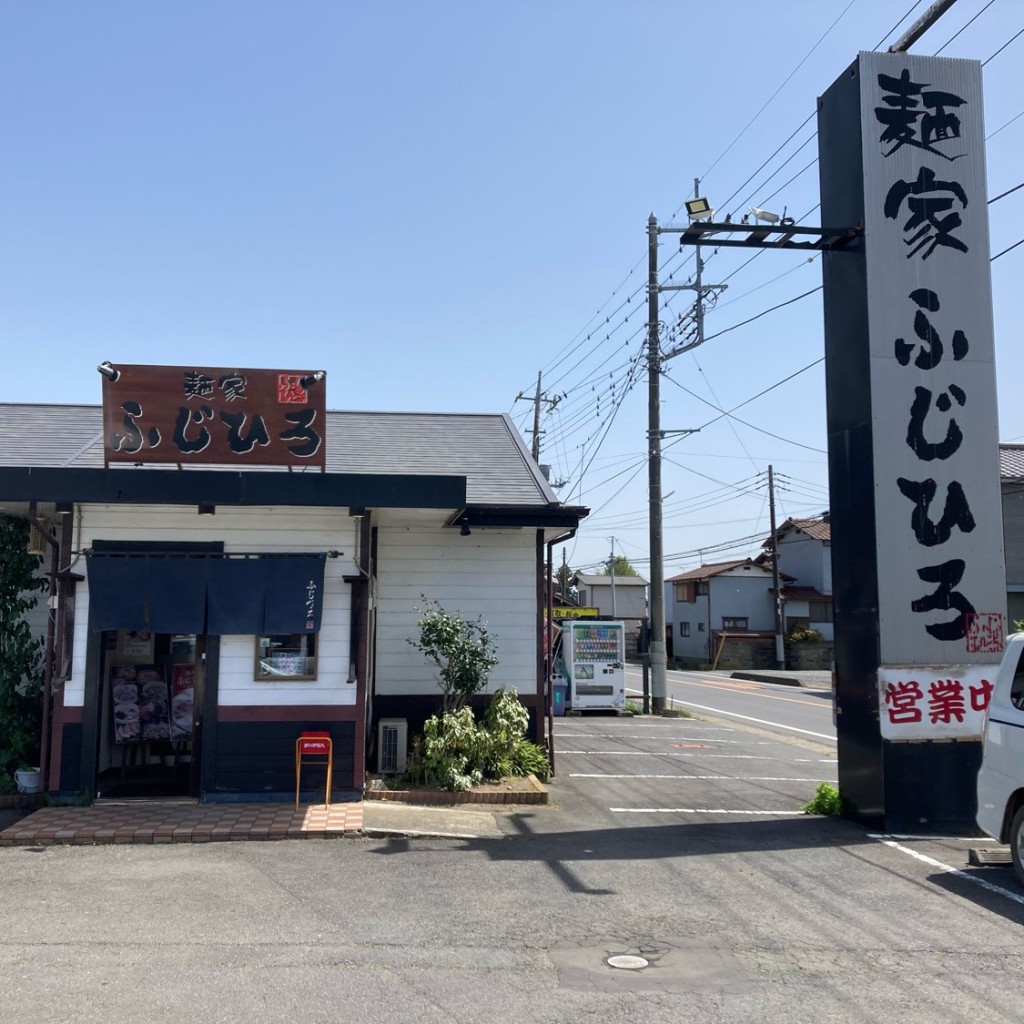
(962, 27)
(1004, 46)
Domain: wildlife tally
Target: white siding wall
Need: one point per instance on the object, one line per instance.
(491, 574)
(259, 529)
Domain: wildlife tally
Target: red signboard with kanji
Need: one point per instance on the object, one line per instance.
(214, 415)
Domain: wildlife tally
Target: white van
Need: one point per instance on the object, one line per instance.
(1001, 776)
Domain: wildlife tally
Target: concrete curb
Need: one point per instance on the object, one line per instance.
(446, 798)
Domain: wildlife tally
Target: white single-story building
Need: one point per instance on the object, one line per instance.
(205, 614)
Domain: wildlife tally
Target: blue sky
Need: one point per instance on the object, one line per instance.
(433, 202)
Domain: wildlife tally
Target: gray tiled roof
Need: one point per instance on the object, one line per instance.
(485, 448)
(1011, 461)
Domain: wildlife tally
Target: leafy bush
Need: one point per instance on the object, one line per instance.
(452, 752)
(803, 635)
(458, 753)
(826, 800)
(21, 662)
(462, 651)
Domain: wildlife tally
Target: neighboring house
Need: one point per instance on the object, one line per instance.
(1011, 480)
(805, 565)
(628, 604)
(272, 601)
(731, 597)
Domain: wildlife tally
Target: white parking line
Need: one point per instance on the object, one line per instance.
(683, 753)
(932, 862)
(693, 810)
(759, 721)
(687, 778)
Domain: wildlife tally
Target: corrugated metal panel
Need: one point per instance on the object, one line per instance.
(486, 449)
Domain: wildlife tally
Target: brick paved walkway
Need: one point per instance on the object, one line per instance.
(154, 821)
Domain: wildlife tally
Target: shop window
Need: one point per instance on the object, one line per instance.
(735, 623)
(286, 656)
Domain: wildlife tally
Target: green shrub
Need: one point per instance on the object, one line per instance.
(458, 753)
(463, 653)
(826, 800)
(21, 661)
(452, 752)
(803, 635)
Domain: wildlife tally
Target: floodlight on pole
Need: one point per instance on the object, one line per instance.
(699, 209)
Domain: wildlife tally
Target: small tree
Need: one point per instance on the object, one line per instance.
(462, 651)
(21, 662)
(621, 566)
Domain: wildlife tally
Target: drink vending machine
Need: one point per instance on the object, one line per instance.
(594, 654)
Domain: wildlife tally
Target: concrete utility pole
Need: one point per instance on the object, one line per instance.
(780, 649)
(659, 687)
(537, 399)
(611, 574)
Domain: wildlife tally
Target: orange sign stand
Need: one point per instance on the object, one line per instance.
(313, 745)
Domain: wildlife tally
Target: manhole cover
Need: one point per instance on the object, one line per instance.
(627, 962)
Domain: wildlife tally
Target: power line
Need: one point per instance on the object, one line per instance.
(966, 25)
(1003, 47)
(881, 41)
(1005, 251)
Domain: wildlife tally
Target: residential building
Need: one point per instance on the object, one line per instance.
(805, 565)
(701, 604)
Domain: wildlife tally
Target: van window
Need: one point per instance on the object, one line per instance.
(1017, 686)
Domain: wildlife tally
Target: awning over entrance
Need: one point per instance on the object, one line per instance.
(214, 594)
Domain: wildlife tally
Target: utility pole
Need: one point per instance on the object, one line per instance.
(611, 573)
(780, 652)
(537, 400)
(659, 687)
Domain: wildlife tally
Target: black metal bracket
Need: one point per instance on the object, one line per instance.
(764, 236)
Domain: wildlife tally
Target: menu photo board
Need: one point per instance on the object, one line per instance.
(140, 701)
(183, 686)
(214, 416)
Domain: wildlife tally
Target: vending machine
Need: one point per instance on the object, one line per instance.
(595, 664)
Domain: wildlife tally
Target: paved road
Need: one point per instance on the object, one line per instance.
(745, 910)
(784, 709)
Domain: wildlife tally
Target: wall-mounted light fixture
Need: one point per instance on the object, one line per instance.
(108, 371)
(207, 508)
(65, 508)
(313, 378)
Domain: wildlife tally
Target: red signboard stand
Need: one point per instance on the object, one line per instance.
(313, 745)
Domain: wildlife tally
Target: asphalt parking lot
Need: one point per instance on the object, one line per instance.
(675, 843)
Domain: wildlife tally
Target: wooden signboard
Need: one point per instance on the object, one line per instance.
(214, 415)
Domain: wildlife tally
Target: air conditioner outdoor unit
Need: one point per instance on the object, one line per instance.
(392, 740)
(36, 544)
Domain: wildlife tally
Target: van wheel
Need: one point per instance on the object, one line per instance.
(1017, 843)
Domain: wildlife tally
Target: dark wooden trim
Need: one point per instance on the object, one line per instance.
(90, 707)
(541, 572)
(208, 733)
(289, 713)
(231, 487)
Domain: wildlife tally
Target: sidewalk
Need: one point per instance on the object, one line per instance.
(155, 821)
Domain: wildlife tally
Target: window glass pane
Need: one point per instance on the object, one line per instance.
(286, 656)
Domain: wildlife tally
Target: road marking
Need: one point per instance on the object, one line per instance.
(755, 691)
(927, 836)
(759, 721)
(669, 753)
(693, 810)
(687, 778)
(947, 869)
